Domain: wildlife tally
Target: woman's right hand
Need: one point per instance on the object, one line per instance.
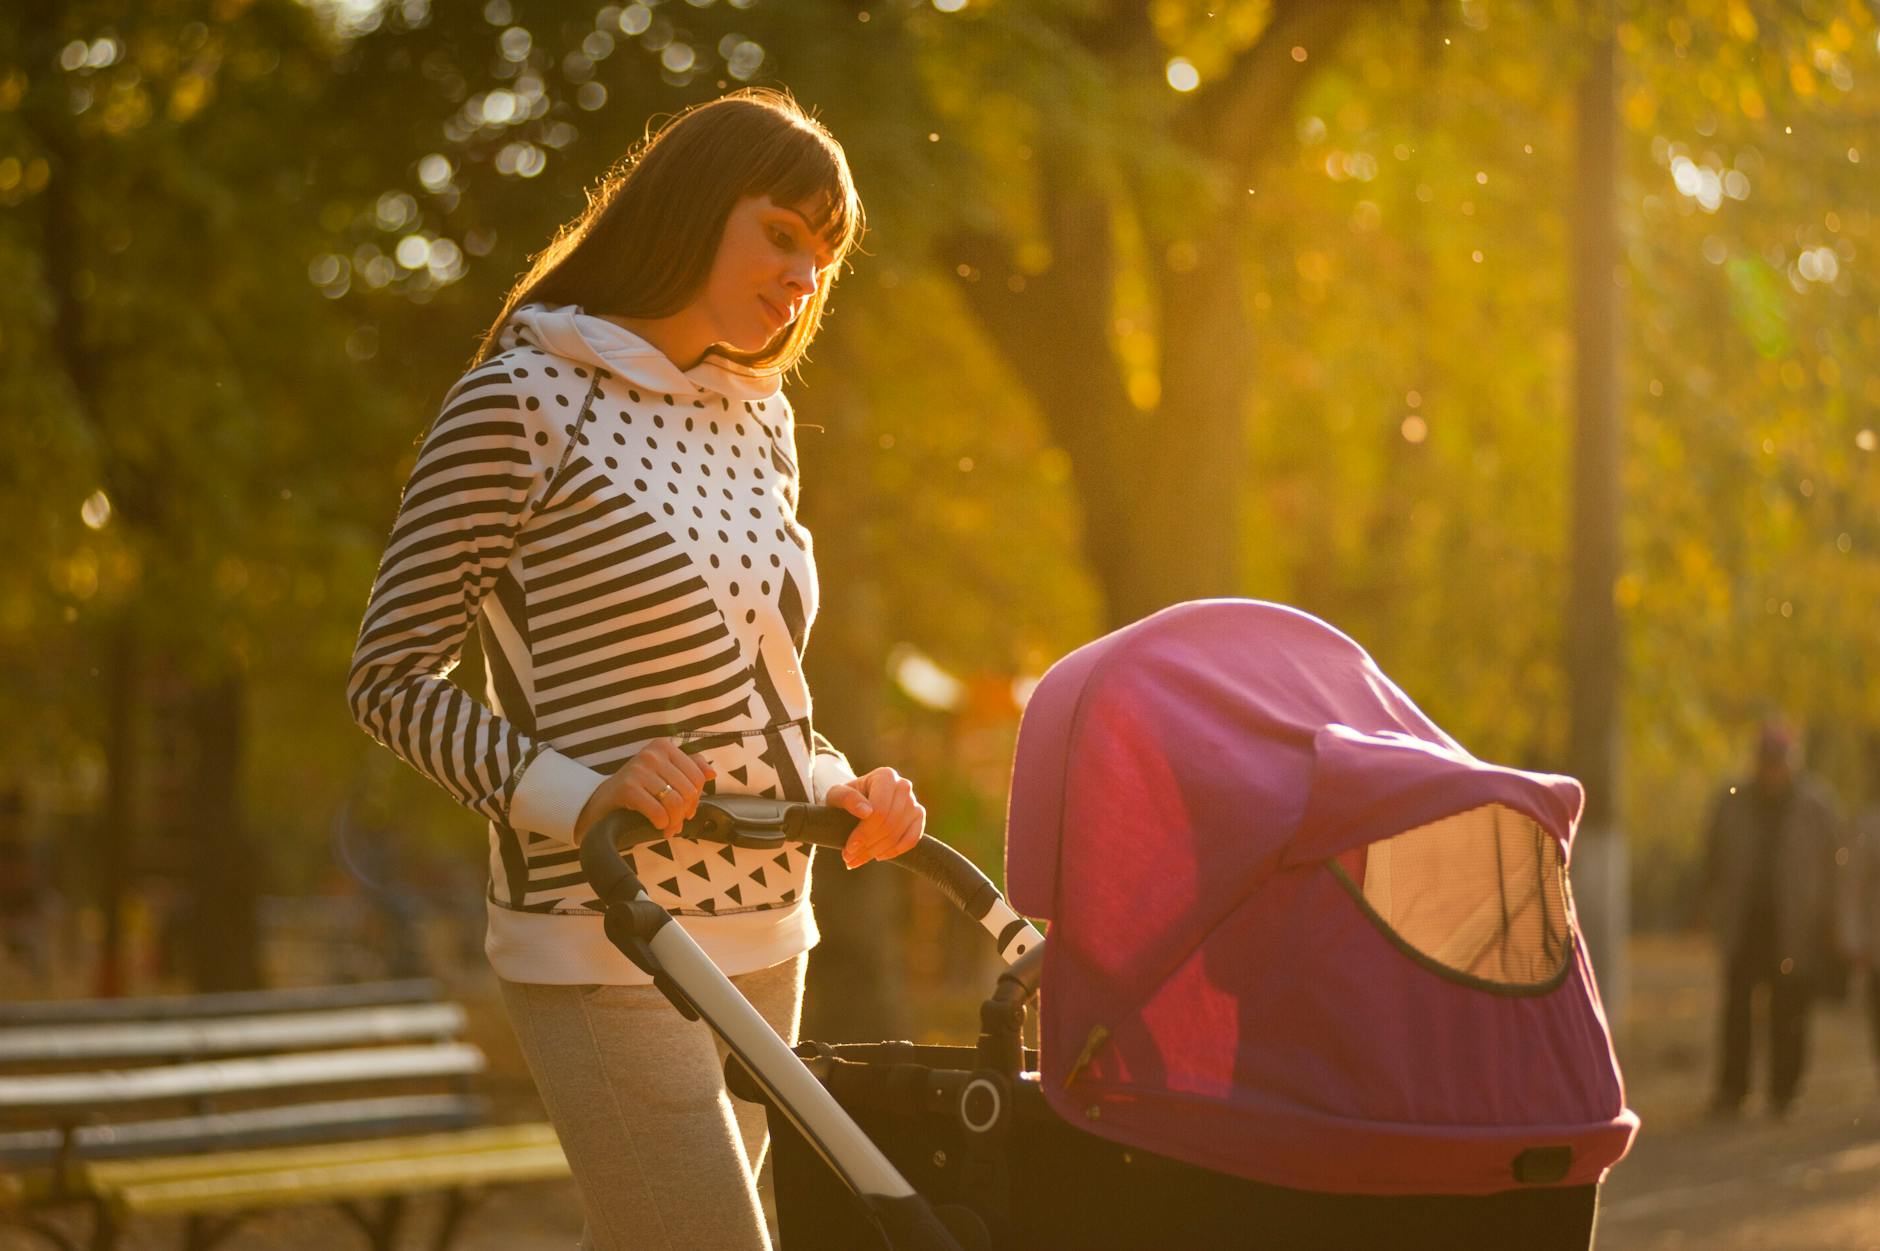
(660, 782)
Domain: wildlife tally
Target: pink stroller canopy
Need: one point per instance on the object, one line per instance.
(1298, 933)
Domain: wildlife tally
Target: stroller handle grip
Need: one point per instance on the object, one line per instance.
(756, 822)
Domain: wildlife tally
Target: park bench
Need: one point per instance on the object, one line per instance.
(213, 1107)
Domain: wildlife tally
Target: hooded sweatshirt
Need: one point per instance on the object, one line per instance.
(622, 535)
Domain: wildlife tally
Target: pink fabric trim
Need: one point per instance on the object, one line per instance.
(1325, 1153)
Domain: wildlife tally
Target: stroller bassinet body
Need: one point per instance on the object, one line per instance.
(1299, 935)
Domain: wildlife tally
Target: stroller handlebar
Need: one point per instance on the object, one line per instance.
(759, 823)
(641, 929)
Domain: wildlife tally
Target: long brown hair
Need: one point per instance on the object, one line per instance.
(644, 245)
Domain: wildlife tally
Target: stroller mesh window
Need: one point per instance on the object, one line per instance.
(1481, 893)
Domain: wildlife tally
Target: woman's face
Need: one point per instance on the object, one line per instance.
(768, 265)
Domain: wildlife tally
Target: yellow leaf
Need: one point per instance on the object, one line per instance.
(1314, 266)
(1742, 21)
(1034, 256)
(188, 96)
(1640, 108)
(1145, 390)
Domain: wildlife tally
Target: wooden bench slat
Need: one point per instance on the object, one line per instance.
(346, 1181)
(248, 1127)
(222, 1003)
(54, 1092)
(176, 1056)
(228, 1035)
(249, 1190)
(119, 1174)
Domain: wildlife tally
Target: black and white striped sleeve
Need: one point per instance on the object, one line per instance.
(481, 469)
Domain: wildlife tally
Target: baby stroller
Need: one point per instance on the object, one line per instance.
(1313, 979)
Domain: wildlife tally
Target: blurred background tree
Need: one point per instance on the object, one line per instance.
(1164, 299)
(172, 381)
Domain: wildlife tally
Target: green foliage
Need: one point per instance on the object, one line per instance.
(1413, 425)
(1412, 429)
(250, 245)
(164, 359)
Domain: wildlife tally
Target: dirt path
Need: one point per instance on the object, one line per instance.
(1810, 1183)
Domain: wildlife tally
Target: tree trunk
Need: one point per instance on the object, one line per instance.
(1593, 661)
(1160, 490)
(47, 115)
(223, 933)
(1194, 448)
(115, 838)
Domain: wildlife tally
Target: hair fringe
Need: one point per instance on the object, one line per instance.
(679, 150)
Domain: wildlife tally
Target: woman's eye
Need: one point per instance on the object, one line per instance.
(782, 239)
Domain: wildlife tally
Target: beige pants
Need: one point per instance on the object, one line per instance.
(663, 1155)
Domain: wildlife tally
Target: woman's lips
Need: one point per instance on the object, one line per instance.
(777, 315)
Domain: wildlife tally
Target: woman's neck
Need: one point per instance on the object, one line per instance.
(681, 343)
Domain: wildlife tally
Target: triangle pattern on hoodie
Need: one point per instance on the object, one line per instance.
(638, 524)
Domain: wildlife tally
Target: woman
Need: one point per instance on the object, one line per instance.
(609, 496)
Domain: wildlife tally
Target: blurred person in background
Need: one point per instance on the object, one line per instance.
(1770, 891)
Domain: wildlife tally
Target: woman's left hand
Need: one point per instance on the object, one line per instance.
(892, 820)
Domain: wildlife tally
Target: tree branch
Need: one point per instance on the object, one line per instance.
(1052, 329)
(1233, 118)
(1122, 28)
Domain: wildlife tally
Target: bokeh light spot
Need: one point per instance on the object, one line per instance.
(634, 19)
(413, 251)
(500, 107)
(434, 172)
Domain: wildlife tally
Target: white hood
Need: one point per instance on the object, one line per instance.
(579, 336)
